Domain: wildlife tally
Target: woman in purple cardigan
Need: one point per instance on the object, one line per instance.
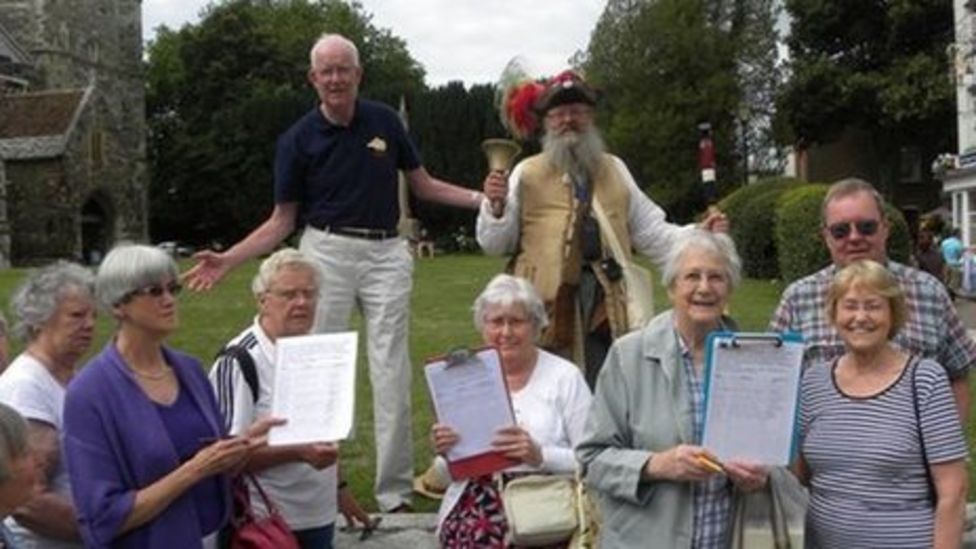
(143, 440)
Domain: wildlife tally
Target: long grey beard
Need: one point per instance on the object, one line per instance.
(577, 154)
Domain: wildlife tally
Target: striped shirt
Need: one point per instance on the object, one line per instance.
(712, 498)
(932, 329)
(868, 483)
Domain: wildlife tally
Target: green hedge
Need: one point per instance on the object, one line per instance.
(899, 239)
(752, 213)
(798, 239)
(797, 230)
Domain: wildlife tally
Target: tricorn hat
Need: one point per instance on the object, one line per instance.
(564, 88)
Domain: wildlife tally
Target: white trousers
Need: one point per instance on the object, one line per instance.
(376, 276)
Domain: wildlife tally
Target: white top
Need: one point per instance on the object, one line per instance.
(552, 407)
(306, 497)
(650, 233)
(28, 387)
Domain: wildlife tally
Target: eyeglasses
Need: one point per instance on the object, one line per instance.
(157, 290)
(842, 230)
(293, 295)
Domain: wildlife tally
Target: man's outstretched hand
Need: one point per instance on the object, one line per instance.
(209, 270)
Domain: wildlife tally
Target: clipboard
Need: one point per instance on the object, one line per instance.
(752, 396)
(456, 383)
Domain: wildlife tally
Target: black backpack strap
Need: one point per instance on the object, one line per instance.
(246, 363)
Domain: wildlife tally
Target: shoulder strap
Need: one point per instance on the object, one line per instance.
(601, 217)
(246, 363)
(912, 371)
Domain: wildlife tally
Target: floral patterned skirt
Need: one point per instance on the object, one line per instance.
(477, 520)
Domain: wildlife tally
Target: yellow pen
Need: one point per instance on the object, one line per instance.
(709, 464)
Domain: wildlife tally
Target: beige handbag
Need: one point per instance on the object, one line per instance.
(541, 509)
(638, 288)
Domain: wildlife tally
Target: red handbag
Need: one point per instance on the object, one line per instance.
(270, 532)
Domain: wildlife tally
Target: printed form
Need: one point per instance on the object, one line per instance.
(314, 388)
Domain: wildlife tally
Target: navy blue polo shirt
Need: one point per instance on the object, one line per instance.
(345, 176)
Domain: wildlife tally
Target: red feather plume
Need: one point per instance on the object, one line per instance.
(520, 117)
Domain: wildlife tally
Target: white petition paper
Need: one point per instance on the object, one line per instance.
(471, 397)
(752, 400)
(314, 388)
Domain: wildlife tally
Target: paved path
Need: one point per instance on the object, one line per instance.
(396, 531)
(967, 312)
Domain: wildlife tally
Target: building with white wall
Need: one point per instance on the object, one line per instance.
(959, 180)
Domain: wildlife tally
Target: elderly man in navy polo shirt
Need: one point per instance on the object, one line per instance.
(336, 169)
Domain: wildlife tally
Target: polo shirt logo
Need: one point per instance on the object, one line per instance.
(377, 145)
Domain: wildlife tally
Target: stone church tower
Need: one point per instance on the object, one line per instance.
(72, 128)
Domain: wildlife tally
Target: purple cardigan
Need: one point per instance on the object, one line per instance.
(114, 444)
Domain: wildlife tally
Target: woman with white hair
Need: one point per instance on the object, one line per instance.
(54, 308)
(550, 399)
(144, 442)
(18, 472)
(641, 451)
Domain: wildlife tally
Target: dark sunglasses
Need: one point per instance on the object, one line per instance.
(840, 231)
(157, 290)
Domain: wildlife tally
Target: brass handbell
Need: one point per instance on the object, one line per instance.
(500, 153)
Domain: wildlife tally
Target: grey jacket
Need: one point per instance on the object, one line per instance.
(641, 406)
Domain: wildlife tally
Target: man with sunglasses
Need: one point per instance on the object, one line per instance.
(855, 228)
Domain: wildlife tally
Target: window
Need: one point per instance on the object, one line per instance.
(97, 153)
(909, 165)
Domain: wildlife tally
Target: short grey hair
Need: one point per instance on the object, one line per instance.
(13, 439)
(36, 300)
(848, 187)
(717, 244)
(333, 37)
(129, 267)
(283, 259)
(505, 291)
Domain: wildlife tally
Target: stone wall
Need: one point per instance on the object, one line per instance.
(77, 44)
(19, 18)
(45, 229)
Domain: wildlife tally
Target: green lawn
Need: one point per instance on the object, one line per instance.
(444, 290)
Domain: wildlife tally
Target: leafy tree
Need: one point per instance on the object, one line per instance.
(665, 66)
(880, 66)
(221, 91)
(449, 123)
(753, 24)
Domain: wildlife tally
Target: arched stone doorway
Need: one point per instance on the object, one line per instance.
(97, 227)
